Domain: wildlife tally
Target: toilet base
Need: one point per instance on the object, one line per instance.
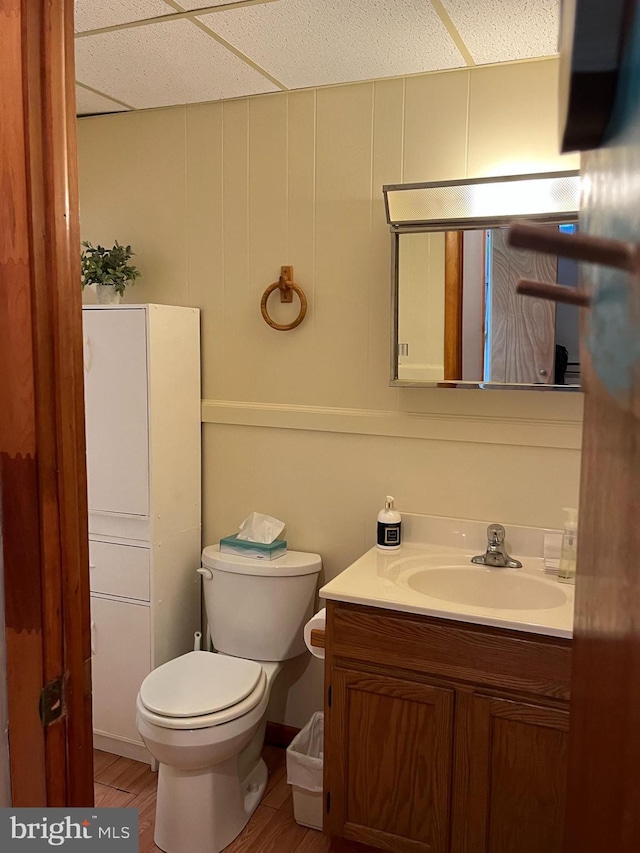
(202, 811)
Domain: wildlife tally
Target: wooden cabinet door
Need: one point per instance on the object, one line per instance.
(510, 776)
(121, 658)
(389, 751)
(115, 364)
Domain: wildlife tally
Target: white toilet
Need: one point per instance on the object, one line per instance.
(203, 715)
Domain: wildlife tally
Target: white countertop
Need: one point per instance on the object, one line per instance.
(381, 579)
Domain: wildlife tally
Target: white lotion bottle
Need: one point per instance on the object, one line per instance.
(389, 526)
(569, 547)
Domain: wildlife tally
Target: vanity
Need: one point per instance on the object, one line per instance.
(447, 697)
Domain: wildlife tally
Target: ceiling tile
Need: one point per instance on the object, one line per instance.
(311, 43)
(94, 14)
(500, 30)
(88, 103)
(162, 64)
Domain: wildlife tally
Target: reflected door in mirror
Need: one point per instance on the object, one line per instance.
(521, 330)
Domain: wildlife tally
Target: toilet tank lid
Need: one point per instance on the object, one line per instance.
(290, 563)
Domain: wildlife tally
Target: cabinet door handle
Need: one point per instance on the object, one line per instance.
(93, 637)
(87, 354)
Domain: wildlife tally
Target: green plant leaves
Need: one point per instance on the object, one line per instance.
(107, 266)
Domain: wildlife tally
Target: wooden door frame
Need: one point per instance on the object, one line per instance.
(453, 283)
(42, 443)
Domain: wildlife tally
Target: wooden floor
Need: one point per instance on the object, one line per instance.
(272, 829)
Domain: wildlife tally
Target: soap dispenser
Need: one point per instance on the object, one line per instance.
(389, 526)
(569, 547)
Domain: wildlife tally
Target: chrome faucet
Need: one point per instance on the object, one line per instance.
(496, 553)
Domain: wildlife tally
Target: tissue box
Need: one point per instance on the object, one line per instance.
(255, 550)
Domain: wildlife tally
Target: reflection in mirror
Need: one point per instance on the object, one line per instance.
(460, 320)
(457, 319)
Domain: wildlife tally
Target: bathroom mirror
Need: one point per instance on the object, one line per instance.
(457, 320)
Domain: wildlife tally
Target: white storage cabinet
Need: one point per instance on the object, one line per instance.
(142, 404)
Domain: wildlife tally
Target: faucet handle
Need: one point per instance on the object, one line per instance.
(495, 534)
(496, 553)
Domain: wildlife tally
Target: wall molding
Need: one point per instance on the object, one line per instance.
(483, 429)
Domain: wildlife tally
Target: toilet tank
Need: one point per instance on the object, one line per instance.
(257, 609)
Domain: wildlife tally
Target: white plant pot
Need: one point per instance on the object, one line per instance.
(106, 294)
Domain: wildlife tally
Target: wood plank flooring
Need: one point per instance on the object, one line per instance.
(272, 829)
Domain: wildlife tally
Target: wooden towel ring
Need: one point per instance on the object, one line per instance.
(287, 287)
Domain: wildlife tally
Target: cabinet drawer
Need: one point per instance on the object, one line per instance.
(478, 655)
(121, 570)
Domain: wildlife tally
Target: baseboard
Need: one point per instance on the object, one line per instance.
(277, 734)
(125, 748)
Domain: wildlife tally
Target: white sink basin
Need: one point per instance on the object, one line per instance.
(436, 579)
(496, 589)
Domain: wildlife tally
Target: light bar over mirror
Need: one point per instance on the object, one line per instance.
(457, 320)
(466, 204)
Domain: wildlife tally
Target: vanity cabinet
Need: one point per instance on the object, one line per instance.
(142, 409)
(442, 736)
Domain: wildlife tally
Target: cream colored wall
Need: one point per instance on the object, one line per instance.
(303, 425)
(421, 305)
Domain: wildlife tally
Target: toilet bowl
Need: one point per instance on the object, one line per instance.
(211, 777)
(202, 716)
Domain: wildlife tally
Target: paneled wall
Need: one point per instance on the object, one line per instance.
(214, 198)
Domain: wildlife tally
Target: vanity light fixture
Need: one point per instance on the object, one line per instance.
(444, 206)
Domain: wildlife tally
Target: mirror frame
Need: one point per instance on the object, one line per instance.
(454, 226)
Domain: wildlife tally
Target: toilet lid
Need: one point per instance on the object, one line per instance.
(199, 683)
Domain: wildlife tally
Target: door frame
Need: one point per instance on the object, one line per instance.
(453, 295)
(42, 442)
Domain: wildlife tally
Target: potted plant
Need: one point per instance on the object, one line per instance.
(108, 269)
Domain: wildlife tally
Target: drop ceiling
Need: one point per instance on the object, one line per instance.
(136, 54)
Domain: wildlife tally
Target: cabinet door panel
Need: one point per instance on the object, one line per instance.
(510, 776)
(116, 410)
(121, 658)
(390, 745)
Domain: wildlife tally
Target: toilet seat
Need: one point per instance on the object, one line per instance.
(201, 689)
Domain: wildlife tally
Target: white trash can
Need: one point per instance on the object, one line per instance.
(304, 772)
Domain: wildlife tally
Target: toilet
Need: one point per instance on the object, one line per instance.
(202, 716)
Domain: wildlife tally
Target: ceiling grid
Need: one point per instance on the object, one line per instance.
(238, 53)
(137, 54)
(453, 32)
